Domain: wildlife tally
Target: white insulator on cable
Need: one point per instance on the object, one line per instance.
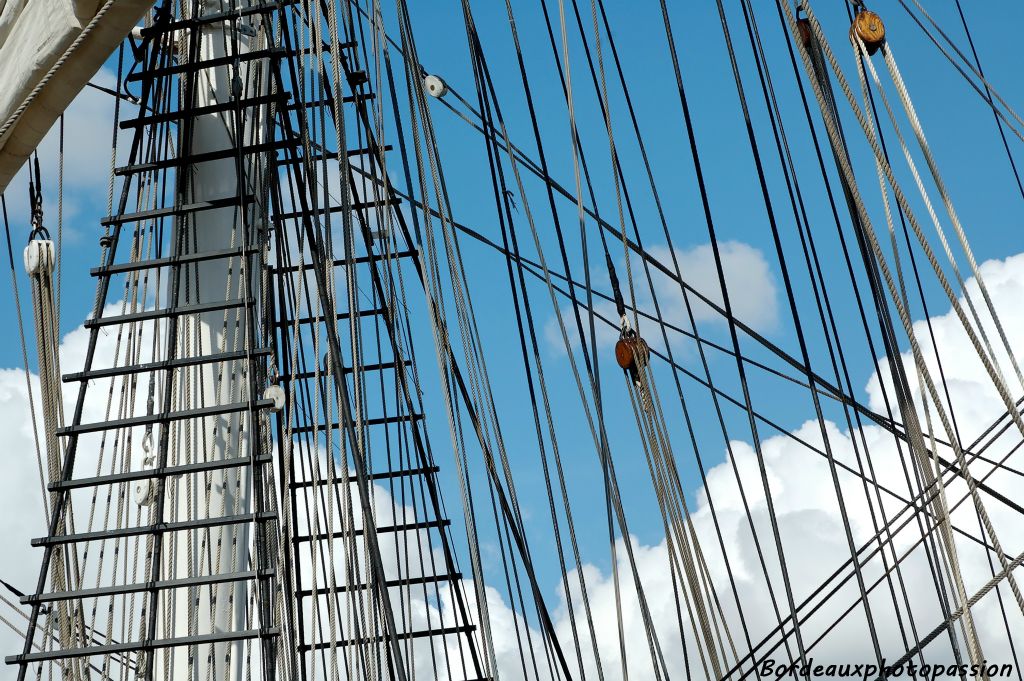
(39, 257)
(435, 86)
(275, 393)
(144, 491)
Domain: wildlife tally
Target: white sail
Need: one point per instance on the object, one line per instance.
(36, 36)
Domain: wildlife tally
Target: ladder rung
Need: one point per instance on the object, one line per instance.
(156, 528)
(219, 107)
(215, 410)
(205, 157)
(207, 63)
(443, 631)
(409, 581)
(326, 48)
(387, 475)
(381, 529)
(170, 261)
(372, 312)
(124, 589)
(306, 375)
(332, 155)
(343, 262)
(153, 473)
(154, 644)
(147, 315)
(169, 211)
(318, 103)
(165, 364)
(405, 418)
(356, 205)
(214, 17)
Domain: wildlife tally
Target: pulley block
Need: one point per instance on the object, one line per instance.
(631, 352)
(869, 28)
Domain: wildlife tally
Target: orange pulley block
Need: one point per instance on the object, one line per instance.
(804, 28)
(869, 28)
(631, 352)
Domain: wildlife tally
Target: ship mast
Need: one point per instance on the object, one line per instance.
(218, 283)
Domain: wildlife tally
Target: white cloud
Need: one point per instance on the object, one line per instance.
(748, 277)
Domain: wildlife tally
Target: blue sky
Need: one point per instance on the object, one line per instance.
(959, 125)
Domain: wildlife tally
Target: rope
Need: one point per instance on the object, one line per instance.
(901, 309)
(908, 106)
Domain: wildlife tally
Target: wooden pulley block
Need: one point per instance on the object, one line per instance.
(803, 27)
(631, 352)
(869, 28)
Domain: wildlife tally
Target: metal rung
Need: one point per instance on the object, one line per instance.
(162, 313)
(356, 205)
(318, 103)
(306, 375)
(381, 529)
(154, 473)
(184, 259)
(125, 589)
(326, 48)
(156, 528)
(207, 63)
(387, 475)
(165, 364)
(184, 209)
(332, 155)
(344, 262)
(215, 410)
(372, 312)
(219, 107)
(409, 581)
(205, 157)
(405, 418)
(443, 631)
(154, 644)
(214, 17)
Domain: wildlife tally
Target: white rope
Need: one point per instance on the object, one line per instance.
(915, 122)
(879, 255)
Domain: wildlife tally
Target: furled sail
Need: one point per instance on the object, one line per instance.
(50, 49)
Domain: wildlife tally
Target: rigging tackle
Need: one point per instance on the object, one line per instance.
(631, 350)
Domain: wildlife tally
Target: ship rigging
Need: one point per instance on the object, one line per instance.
(307, 442)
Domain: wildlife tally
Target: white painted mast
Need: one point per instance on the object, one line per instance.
(222, 549)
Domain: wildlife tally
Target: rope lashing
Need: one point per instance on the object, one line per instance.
(40, 260)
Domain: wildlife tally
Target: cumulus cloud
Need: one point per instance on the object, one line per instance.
(748, 276)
